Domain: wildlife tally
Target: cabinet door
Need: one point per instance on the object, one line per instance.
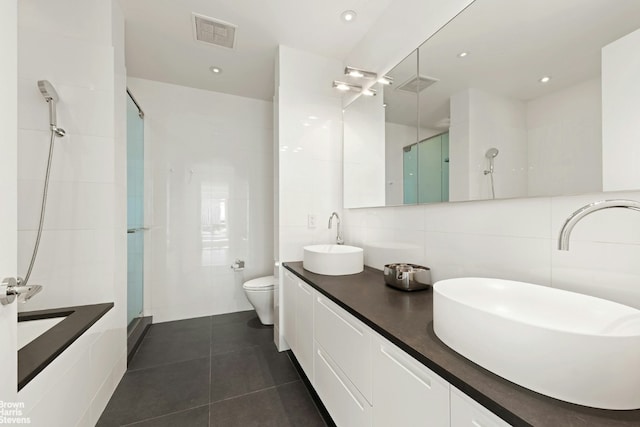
(405, 392)
(466, 412)
(304, 328)
(347, 340)
(288, 323)
(347, 407)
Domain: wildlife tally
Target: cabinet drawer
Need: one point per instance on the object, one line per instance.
(406, 393)
(466, 412)
(347, 340)
(345, 404)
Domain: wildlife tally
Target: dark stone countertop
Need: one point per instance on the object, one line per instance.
(406, 319)
(39, 353)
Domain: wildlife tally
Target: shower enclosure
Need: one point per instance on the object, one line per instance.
(426, 170)
(135, 210)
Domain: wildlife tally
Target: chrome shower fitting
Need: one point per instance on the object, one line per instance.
(51, 96)
(491, 155)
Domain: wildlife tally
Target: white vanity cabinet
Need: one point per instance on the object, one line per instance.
(288, 320)
(346, 405)
(362, 378)
(347, 340)
(466, 412)
(304, 327)
(406, 393)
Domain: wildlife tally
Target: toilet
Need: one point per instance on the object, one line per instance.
(260, 294)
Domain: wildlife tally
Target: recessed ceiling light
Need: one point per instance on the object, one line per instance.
(463, 54)
(348, 15)
(545, 79)
(215, 70)
(312, 117)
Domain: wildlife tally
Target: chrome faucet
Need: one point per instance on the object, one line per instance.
(339, 239)
(565, 232)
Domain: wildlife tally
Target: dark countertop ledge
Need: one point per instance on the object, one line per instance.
(406, 319)
(39, 353)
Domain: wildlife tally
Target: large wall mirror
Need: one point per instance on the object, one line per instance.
(510, 99)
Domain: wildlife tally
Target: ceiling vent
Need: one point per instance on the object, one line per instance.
(214, 31)
(417, 84)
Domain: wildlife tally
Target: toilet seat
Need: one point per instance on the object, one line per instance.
(260, 284)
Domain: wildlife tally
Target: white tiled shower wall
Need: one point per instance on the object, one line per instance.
(207, 152)
(78, 45)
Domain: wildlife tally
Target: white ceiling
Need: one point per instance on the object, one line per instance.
(160, 44)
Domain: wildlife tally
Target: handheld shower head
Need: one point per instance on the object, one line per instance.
(51, 96)
(491, 153)
(48, 91)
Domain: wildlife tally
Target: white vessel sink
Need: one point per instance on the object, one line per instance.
(333, 260)
(569, 346)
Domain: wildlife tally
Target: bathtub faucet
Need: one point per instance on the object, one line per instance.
(10, 288)
(565, 232)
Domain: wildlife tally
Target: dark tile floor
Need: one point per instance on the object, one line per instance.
(211, 371)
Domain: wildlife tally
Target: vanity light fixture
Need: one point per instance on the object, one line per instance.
(346, 87)
(356, 72)
(215, 70)
(545, 79)
(348, 15)
(386, 80)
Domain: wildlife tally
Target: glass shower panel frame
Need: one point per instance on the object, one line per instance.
(135, 211)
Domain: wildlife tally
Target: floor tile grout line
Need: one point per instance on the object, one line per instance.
(163, 415)
(169, 363)
(254, 392)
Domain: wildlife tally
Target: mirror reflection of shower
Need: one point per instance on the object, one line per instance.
(51, 97)
(491, 155)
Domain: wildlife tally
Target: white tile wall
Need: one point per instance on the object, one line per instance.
(514, 239)
(205, 148)
(310, 157)
(79, 46)
(308, 154)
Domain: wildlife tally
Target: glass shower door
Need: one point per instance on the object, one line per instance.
(410, 174)
(135, 210)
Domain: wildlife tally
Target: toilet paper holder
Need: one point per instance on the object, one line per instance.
(238, 265)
